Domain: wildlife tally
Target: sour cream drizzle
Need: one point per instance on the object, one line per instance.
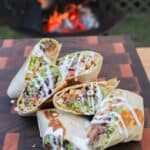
(58, 135)
(99, 96)
(90, 99)
(83, 108)
(66, 65)
(39, 52)
(100, 119)
(44, 92)
(50, 79)
(35, 83)
(79, 65)
(42, 81)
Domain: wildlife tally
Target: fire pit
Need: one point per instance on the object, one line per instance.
(72, 18)
(63, 18)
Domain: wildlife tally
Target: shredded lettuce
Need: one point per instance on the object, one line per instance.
(75, 106)
(104, 92)
(55, 71)
(47, 139)
(69, 146)
(118, 109)
(33, 62)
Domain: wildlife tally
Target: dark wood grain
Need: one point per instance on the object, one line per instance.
(120, 60)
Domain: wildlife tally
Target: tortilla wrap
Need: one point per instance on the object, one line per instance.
(39, 89)
(120, 119)
(65, 129)
(80, 66)
(44, 52)
(85, 98)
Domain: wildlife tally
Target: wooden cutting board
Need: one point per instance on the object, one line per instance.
(120, 60)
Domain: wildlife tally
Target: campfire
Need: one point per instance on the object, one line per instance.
(73, 18)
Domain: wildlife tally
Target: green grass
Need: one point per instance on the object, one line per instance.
(137, 26)
(6, 32)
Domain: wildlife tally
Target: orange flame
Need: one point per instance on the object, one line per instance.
(41, 1)
(71, 13)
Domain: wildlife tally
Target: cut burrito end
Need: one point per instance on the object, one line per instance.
(80, 66)
(51, 48)
(84, 99)
(34, 64)
(39, 89)
(120, 119)
(44, 52)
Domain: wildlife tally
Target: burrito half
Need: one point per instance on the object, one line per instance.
(45, 52)
(120, 119)
(80, 66)
(84, 99)
(39, 89)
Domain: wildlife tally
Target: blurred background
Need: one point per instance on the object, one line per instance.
(38, 18)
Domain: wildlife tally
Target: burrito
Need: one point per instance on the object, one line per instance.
(85, 98)
(80, 66)
(119, 119)
(39, 89)
(60, 130)
(45, 52)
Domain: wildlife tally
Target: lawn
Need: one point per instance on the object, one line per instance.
(7, 32)
(135, 25)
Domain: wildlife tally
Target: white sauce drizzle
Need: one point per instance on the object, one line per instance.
(50, 78)
(100, 119)
(46, 59)
(99, 96)
(66, 65)
(58, 134)
(90, 99)
(46, 90)
(35, 83)
(79, 66)
(83, 109)
(37, 51)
